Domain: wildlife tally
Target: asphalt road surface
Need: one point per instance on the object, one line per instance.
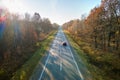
(59, 63)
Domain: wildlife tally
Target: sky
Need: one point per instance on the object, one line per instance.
(58, 11)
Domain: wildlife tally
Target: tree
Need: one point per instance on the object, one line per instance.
(27, 16)
(101, 27)
(36, 17)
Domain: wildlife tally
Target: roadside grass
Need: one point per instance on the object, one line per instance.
(102, 65)
(26, 70)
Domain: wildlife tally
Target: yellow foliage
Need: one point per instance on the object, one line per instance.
(87, 49)
(37, 44)
(22, 76)
(117, 32)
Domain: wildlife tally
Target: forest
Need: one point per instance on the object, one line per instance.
(98, 35)
(20, 36)
(25, 38)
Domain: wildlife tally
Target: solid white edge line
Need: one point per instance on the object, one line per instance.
(74, 60)
(60, 58)
(44, 67)
(76, 65)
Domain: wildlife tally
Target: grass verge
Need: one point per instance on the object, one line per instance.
(26, 70)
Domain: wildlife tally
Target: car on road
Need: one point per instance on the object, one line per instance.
(64, 44)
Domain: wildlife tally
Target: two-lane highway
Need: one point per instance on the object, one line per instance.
(60, 63)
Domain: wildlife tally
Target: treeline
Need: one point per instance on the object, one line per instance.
(98, 35)
(101, 27)
(19, 36)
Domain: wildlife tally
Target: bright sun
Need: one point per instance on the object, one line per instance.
(14, 6)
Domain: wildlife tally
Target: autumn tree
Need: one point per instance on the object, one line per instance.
(101, 27)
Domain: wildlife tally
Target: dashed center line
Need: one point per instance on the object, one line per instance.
(61, 66)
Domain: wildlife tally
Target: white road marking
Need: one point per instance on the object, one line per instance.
(76, 65)
(60, 57)
(61, 66)
(61, 62)
(74, 61)
(44, 67)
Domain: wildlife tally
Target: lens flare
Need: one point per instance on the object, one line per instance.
(2, 21)
(14, 6)
(2, 15)
(2, 27)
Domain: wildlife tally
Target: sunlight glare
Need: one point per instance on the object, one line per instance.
(14, 6)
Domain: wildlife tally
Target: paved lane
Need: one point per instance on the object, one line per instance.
(60, 63)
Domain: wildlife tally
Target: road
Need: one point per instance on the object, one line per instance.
(59, 63)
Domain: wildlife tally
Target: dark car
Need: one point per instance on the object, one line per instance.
(64, 44)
